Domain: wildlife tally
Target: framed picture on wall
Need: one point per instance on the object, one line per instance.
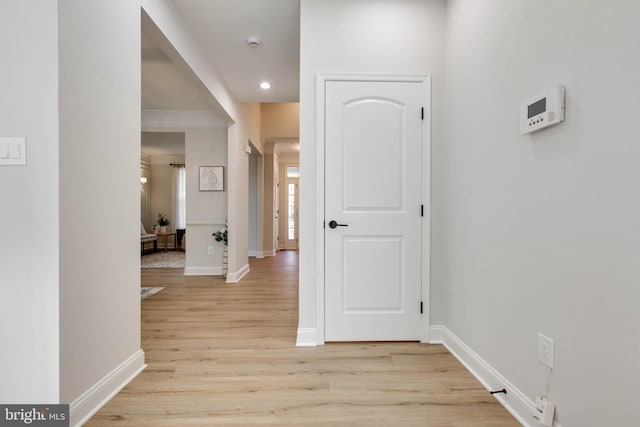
(211, 178)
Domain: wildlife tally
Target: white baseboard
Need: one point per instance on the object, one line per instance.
(270, 253)
(256, 254)
(203, 271)
(235, 277)
(90, 402)
(515, 401)
(436, 334)
(307, 337)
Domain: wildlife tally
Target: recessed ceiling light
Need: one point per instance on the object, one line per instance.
(265, 85)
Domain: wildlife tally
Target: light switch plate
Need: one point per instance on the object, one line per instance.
(13, 151)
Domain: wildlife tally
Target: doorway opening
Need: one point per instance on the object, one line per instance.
(255, 203)
(162, 186)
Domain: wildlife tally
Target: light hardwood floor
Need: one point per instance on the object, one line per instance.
(224, 354)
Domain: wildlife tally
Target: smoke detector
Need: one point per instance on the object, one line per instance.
(254, 42)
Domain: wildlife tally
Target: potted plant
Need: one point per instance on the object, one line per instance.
(163, 221)
(222, 235)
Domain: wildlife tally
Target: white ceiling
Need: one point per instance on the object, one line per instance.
(165, 86)
(222, 28)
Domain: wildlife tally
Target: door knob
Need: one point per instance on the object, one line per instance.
(333, 224)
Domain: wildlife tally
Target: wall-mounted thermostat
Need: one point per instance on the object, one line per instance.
(543, 110)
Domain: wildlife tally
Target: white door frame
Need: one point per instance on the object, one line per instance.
(288, 181)
(321, 79)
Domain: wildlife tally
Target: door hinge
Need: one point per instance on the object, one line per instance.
(422, 113)
(421, 210)
(421, 307)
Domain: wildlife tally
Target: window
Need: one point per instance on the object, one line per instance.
(180, 197)
(291, 211)
(293, 172)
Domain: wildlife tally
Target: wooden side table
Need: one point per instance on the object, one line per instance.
(165, 239)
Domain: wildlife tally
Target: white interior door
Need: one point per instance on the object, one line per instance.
(373, 143)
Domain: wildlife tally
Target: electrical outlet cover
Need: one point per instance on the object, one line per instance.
(545, 350)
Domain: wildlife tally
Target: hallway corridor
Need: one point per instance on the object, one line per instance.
(224, 354)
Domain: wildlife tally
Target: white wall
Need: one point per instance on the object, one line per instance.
(70, 318)
(270, 163)
(395, 37)
(255, 246)
(543, 230)
(29, 259)
(280, 120)
(206, 210)
(245, 131)
(99, 191)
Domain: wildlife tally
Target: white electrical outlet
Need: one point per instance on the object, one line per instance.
(545, 350)
(210, 250)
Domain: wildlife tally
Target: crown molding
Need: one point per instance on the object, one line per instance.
(153, 120)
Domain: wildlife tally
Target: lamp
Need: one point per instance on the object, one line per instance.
(143, 180)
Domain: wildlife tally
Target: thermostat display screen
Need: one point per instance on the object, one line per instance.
(537, 108)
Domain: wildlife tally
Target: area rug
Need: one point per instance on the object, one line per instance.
(171, 259)
(148, 292)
